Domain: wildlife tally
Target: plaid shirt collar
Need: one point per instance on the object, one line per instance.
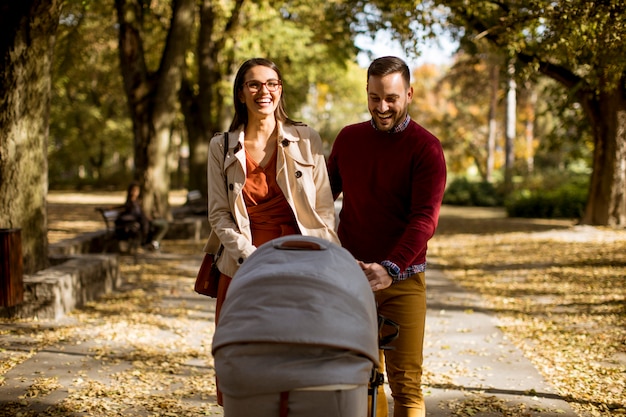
(398, 128)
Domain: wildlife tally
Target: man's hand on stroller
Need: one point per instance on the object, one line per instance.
(377, 275)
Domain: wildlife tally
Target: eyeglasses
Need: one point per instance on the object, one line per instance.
(254, 86)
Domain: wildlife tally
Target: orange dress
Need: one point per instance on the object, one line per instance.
(270, 214)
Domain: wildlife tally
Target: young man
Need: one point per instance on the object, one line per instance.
(392, 174)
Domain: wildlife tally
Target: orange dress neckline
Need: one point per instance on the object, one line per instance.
(270, 214)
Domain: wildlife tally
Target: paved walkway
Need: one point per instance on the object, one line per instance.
(471, 369)
(471, 366)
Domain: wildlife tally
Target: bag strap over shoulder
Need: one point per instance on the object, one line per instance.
(225, 155)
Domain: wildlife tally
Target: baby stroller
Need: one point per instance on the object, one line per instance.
(297, 335)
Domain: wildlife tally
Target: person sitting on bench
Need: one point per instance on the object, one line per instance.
(152, 228)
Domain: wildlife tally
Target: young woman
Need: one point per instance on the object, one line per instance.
(272, 181)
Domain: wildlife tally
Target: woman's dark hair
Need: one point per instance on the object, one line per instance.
(241, 111)
(132, 185)
(388, 65)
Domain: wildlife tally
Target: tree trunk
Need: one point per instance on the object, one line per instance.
(199, 109)
(604, 102)
(493, 110)
(27, 34)
(606, 111)
(509, 147)
(152, 98)
(529, 131)
(197, 139)
(203, 111)
(606, 203)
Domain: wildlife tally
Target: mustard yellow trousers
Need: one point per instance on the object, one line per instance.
(404, 303)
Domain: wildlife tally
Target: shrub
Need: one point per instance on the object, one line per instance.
(565, 201)
(462, 192)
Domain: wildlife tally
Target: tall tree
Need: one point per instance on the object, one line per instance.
(27, 34)
(510, 122)
(91, 136)
(203, 106)
(529, 125)
(490, 148)
(153, 94)
(579, 44)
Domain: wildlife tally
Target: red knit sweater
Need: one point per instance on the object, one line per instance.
(392, 186)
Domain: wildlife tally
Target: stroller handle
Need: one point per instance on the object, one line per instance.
(383, 341)
(298, 245)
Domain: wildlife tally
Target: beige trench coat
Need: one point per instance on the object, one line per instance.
(301, 175)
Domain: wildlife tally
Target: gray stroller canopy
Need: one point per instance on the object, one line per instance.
(300, 291)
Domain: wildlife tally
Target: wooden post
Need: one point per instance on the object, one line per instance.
(11, 268)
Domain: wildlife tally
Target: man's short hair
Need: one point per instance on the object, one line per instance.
(388, 65)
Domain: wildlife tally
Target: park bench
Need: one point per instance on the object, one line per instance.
(128, 233)
(196, 205)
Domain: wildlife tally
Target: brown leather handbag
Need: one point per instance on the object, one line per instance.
(208, 276)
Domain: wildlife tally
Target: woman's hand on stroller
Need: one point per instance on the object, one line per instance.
(377, 275)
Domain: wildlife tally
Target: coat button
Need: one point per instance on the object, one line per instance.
(240, 261)
(231, 187)
(298, 174)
